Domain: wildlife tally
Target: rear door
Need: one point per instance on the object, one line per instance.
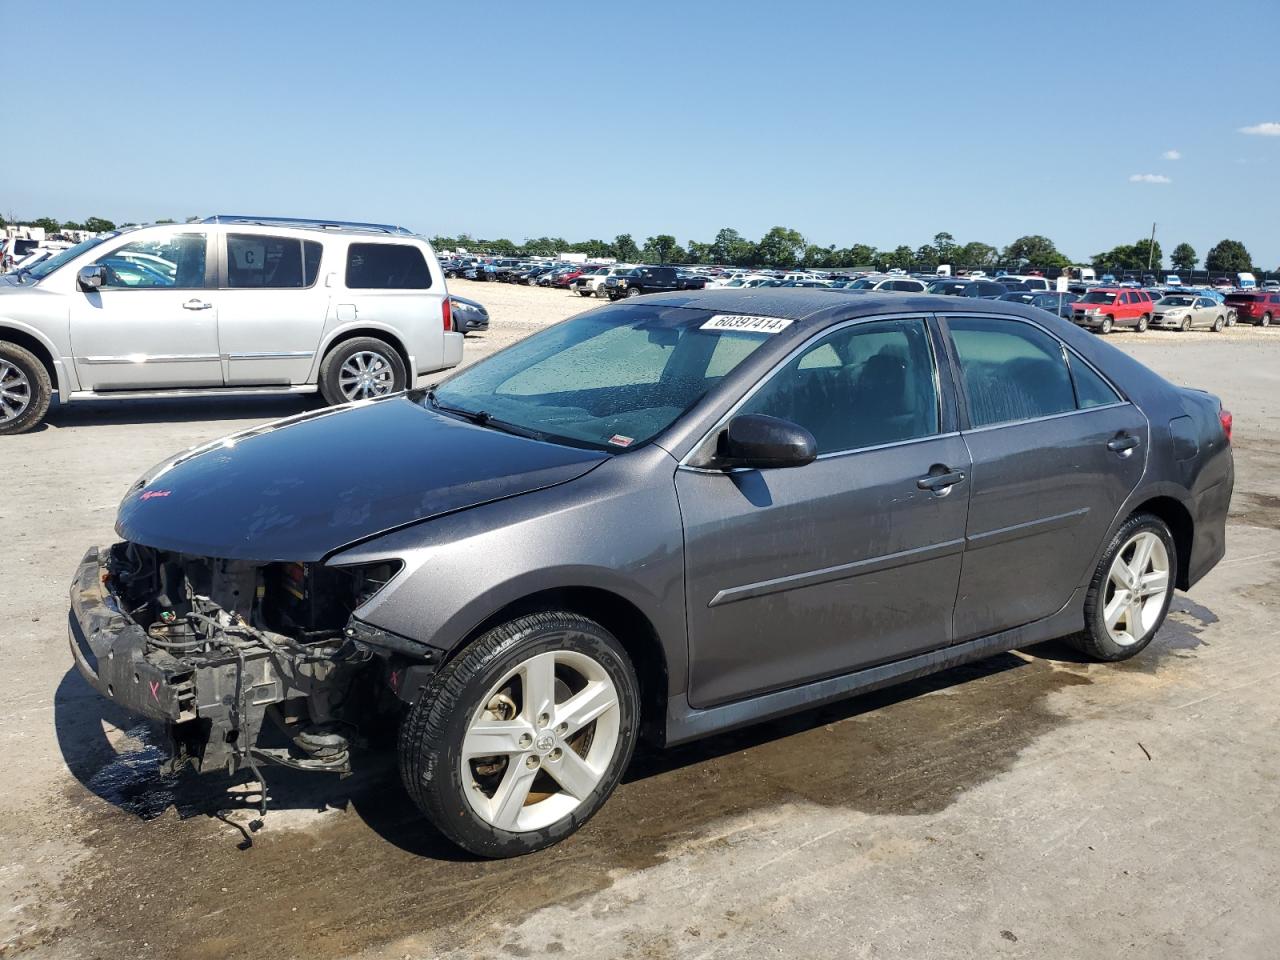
(271, 308)
(154, 322)
(1056, 450)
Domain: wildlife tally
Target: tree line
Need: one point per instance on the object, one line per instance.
(785, 248)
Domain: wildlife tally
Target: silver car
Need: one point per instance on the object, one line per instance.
(1180, 311)
(227, 305)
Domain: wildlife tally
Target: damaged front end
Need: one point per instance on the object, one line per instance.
(224, 651)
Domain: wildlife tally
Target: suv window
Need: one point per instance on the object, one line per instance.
(1012, 371)
(386, 266)
(865, 385)
(174, 262)
(258, 261)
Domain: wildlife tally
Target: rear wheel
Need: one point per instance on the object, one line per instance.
(1143, 322)
(361, 369)
(1130, 591)
(522, 737)
(25, 389)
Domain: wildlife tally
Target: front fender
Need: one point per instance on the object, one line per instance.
(64, 372)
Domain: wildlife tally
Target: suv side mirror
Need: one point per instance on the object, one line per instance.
(92, 277)
(756, 441)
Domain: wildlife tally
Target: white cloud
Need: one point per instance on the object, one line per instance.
(1149, 178)
(1172, 155)
(1263, 130)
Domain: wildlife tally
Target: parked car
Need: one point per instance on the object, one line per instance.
(1028, 281)
(683, 546)
(468, 315)
(592, 282)
(981, 289)
(1104, 308)
(565, 280)
(1178, 311)
(642, 280)
(1056, 303)
(225, 306)
(1271, 286)
(1256, 308)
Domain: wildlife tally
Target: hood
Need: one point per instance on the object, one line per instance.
(301, 488)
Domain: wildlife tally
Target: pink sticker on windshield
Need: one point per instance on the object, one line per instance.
(618, 440)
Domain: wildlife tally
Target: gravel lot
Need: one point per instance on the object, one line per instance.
(1028, 806)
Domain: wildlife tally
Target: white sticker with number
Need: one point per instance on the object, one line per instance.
(746, 324)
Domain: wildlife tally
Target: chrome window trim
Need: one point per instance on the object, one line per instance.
(818, 335)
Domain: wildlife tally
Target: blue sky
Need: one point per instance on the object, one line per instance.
(851, 122)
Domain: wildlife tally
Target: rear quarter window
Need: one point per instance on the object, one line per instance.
(387, 266)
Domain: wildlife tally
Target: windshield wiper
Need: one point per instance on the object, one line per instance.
(483, 418)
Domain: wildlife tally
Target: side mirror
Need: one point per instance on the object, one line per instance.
(756, 441)
(92, 277)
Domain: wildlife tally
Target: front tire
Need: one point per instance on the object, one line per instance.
(1218, 324)
(1186, 325)
(1107, 323)
(25, 389)
(1130, 592)
(1266, 319)
(521, 738)
(361, 369)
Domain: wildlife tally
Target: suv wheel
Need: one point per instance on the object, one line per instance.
(1266, 320)
(1143, 322)
(25, 389)
(633, 291)
(1130, 591)
(360, 369)
(1106, 325)
(521, 738)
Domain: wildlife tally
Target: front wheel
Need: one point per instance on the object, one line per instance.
(1218, 324)
(1186, 325)
(1143, 322)
(25, 389)
(521, 738)
(1130, 591)
(633, 291)
(1107, 323)
(361, 369)
(1266, 319)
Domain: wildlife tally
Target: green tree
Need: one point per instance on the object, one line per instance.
(901, 258)
(820, 257)
(165, 220)
(625, 249)
(1228, 256)
(698, 252)
(1128, 256)
(663, 248)
(50, 225)
(730, 247)
(72, 225)
(859, 255)
(1034, 251)
(1184, 257)
(927, 257)
(592, 248)
(945, 244)
(1140, 254)
(780, 247)
(975, 255)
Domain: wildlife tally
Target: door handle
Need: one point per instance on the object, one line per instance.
(194, 304)
(942, 481)
(1122, 444)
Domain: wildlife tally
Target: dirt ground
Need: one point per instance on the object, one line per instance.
(1029, 806)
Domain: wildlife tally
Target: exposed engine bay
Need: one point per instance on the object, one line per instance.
(223, 649)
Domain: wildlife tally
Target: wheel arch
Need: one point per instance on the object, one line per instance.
(622, 618)
(378, 333)
(1178, 519)
(43, 352)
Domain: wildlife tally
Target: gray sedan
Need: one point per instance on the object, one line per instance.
(1179, 311)
(678, 515)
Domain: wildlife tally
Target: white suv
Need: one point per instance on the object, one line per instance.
(592, 282)
(227, 305)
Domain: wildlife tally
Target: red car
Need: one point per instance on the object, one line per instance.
(564, 279)
(1102, 308)
(1259, 308)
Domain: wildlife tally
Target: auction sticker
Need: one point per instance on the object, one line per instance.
(746, 324)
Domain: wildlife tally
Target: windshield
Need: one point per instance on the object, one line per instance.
(1175, 302)
(1096, 296)
(46, 267)
(609, 379)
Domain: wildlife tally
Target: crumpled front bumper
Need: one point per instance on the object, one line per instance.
(110, 650)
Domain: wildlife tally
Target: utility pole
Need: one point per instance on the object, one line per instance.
(1152, 248)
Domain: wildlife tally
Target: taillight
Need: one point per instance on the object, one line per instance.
(1224, 417)
(446, 312)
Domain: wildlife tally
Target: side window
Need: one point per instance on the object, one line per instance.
(261, 262)
(1091, 389)
(386, 266)
(1012, 371)
(176, 262)
(868, 384)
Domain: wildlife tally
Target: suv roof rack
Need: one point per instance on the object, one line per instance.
(308, 222)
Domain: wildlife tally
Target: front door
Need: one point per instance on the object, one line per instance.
(808, 572)
(154, 322)
(1056, 451)
(271, 308)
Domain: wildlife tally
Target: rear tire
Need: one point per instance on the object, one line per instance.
(25, 389)
(341, 373)
(1143, 322)
(1141, 558)
(513, 690)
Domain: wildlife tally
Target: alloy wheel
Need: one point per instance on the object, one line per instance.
(15, 391)
(541, 741)
(366, 374)
(1136, 588)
